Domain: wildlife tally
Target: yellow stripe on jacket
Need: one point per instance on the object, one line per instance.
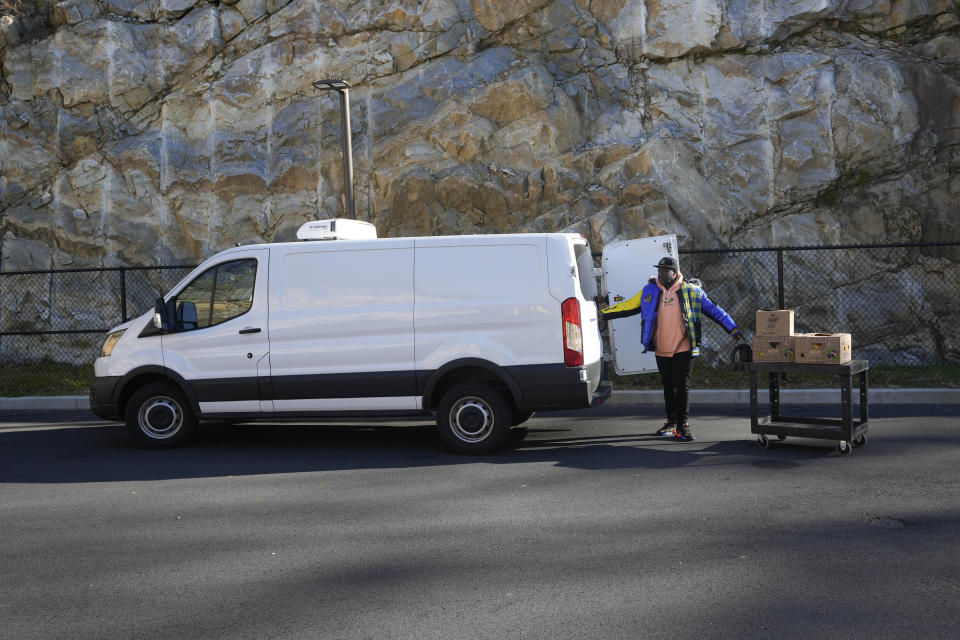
(629, 305)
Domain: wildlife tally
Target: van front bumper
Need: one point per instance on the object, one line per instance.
(103, 402)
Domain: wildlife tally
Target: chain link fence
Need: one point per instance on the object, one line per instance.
(53, 322)
(897, 300)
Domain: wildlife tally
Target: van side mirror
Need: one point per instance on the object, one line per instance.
(161, 316)
(187, 315)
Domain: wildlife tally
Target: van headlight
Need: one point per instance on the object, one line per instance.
(110, 342)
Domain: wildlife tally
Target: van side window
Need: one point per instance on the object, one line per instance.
(233, 295)
(220, 293)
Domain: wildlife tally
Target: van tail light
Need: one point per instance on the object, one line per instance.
(572, 333)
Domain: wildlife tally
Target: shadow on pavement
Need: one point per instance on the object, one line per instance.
(91, 453)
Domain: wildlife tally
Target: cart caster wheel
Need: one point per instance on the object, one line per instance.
(860, 441)
(844, 448)
(781, 437)
(763, 441)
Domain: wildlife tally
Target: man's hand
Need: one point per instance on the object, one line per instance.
(739, 336)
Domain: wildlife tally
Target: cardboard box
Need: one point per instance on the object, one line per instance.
(777, 322)
(823, 348)
(774, 348)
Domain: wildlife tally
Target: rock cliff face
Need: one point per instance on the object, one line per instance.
(159, 131)
(141, 132)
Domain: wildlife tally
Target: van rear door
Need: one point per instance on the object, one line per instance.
(626, 267)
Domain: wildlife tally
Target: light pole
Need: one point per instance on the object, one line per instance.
(343, 88)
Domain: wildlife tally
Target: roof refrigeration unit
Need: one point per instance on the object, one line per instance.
(337, 229)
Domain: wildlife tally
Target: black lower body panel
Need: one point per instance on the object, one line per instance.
(556, 387)
(103, 402)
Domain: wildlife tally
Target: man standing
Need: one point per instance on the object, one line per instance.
(671, 310)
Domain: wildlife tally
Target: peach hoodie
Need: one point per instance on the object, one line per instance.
(670, 337)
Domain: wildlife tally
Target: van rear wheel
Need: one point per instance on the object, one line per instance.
(158, 416)
(473, 418)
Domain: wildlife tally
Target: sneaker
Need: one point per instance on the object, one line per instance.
(683, 433)
(667, 430)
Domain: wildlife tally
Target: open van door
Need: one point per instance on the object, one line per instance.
(626, 267)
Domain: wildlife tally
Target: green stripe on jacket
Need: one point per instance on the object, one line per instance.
(691, 310)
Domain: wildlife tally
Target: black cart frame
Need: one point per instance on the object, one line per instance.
(849, 432)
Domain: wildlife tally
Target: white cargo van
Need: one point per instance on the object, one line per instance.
(481, 330)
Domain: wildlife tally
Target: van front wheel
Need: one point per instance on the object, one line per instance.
(159, 416)
(473, 418)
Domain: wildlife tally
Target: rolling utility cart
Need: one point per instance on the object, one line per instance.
(850, 433)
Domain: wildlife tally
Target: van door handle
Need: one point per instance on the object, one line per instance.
(250, 330)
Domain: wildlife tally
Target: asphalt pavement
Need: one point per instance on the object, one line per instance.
(587, 527)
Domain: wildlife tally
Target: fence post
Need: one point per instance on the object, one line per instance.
(780, 304)
(123, 294)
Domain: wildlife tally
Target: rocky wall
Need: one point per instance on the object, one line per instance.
(161, 131)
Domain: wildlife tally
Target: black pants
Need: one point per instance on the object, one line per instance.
(675, 376)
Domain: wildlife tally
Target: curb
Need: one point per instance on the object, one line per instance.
(641, 397)
(45, 403)
(794, 396)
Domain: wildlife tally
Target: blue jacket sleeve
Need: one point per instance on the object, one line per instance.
(716, 313)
